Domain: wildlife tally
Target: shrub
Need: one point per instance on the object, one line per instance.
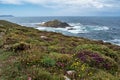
(48, 62)
(82, 69)
(41, 74)
(105, 76)
(20, 47)
(98, 48)
(95, 60)
(29, 59)
(13, 73)
(60, 57)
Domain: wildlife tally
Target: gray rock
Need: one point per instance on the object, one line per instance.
(71, 72)
(71, 29)
(66, 78)
(43, 37)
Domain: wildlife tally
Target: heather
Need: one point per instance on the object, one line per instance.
(30, 53)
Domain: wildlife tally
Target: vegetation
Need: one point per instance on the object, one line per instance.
(29, 53)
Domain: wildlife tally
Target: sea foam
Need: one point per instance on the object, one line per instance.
(75, 29)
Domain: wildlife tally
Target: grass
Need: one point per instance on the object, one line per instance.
(25, 54)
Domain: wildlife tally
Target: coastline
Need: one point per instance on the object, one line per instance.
(98, 28)
(35, 54)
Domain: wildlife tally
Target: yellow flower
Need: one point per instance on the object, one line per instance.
(77, 62)
(83, 67)
(76, 59)
(90, 73)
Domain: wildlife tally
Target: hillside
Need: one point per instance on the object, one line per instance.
(27, 53)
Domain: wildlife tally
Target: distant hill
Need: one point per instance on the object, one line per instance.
(6, 16)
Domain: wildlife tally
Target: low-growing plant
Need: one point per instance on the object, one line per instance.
(98, 48)
(60, 57)
(48, 62)
(96, 60)
(20, 47)
(42, 74)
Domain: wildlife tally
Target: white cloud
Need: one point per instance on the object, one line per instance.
(63, 3)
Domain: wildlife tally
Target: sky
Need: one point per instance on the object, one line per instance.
(60, 7)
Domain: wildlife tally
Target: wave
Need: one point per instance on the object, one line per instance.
(79, 28)
(115, 41)
(76, 28)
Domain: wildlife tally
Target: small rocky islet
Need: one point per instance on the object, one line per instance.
(30, 54)
(56, 24)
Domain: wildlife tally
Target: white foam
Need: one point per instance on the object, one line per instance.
(77, 29)
(42, 23)
(46, 29)
(101, 28)
(115, 41)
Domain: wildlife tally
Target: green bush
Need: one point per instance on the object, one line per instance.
(60, 57)
(48, 62)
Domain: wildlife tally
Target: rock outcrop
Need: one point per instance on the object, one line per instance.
(55, 24)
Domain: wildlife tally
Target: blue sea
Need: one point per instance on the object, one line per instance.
(96, 28)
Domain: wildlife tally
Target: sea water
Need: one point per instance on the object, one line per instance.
(97, 28)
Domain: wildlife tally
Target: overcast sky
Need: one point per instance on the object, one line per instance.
(60, 7)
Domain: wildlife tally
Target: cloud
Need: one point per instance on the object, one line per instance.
(66, 3)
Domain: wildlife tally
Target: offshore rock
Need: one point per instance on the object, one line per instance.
(55, 24)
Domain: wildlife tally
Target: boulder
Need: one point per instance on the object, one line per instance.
(66, 78)
(43, 37)
(55, 24)
(71, 74)
(71, 29)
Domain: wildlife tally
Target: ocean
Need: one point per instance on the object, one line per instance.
(96, 28)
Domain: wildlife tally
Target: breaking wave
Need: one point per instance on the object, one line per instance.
(115, 41)
(76, 28)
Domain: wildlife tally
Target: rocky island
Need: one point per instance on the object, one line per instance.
(55, 24)
(29, 54)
